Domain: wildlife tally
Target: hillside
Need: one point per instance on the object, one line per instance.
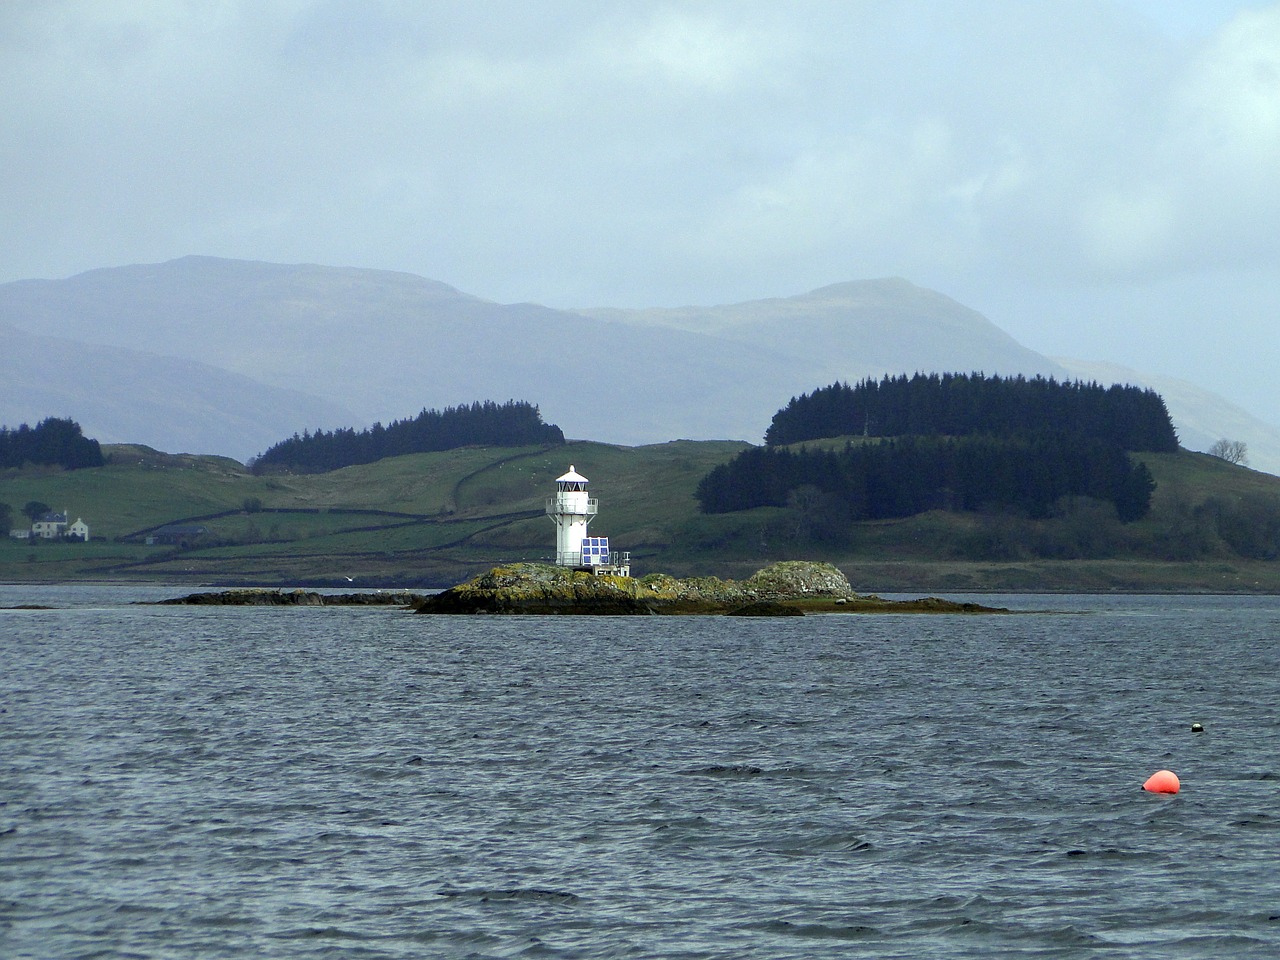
(120, 395)
(385, 345)
(412, 520)
(433, 519)
(1202, 417)
(852, 330)
(208, 355)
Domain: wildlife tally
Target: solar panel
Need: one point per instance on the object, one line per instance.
(595, 550)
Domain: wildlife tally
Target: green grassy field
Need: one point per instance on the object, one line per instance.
(432, 519)
(421, 519)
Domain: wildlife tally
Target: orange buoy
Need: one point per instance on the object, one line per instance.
(1162, 781)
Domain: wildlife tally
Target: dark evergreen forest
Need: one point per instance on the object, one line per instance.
(512, 424)
(909, 475)
(52, 442)
(952, 442)
(959, 405)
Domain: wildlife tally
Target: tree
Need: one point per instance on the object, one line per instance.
(909, 475)
(954, 404)
(513, 424)
(34, 509)
(6, 519)
(52, 442)
(1232, 451)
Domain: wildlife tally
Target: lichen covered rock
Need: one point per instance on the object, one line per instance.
(799, 578)
(538, 588)
(541, 588)
(783, 589)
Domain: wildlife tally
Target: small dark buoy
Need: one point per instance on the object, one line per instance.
(414, 762)
(1197, 728)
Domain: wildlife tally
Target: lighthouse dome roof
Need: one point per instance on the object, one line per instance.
(571, 477)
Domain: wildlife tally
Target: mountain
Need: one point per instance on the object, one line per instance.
(119, 395)
(849, 331)
(386, 345)
(279, 349)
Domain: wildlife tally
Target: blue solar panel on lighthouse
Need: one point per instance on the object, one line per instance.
(595, 550)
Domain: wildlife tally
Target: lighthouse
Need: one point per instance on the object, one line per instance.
(571, 509)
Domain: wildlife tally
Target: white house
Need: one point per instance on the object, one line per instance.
(54, 526)
(49, 526)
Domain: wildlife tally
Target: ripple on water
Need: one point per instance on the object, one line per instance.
(206, 783)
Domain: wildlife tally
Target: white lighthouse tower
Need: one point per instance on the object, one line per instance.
(571, 509)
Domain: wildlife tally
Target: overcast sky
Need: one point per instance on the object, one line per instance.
(1101, 178)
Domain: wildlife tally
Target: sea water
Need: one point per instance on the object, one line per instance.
(191, 782)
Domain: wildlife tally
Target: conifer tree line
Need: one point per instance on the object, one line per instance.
(904, 476)
(954, 442)
(511, 424)
(958, 405)
(52, 442)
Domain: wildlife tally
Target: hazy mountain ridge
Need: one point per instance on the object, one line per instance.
(224, 356)
(386, 345)
(858, 329)
(118, 395)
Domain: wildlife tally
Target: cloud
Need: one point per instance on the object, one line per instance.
(1225, 136)
(1126, 233)
(685, 50)
(643, 153)
(1193, 185)
(1098, 175)
(1230, 98)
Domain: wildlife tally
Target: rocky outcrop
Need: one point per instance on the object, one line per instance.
(295, 598)
(787, 589)
(541, 588)
(798, 579)
(782, 589)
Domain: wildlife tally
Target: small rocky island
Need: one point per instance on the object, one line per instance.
(789, 588)
(589, 577)
(251, 597)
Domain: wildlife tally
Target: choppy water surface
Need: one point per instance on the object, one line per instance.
(205, 782)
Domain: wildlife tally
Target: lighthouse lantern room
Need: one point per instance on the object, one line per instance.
(571, 509)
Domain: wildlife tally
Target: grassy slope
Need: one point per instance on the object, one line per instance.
(454, 512)
(435, 518)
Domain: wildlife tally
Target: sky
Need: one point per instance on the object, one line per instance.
(1100, 178)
